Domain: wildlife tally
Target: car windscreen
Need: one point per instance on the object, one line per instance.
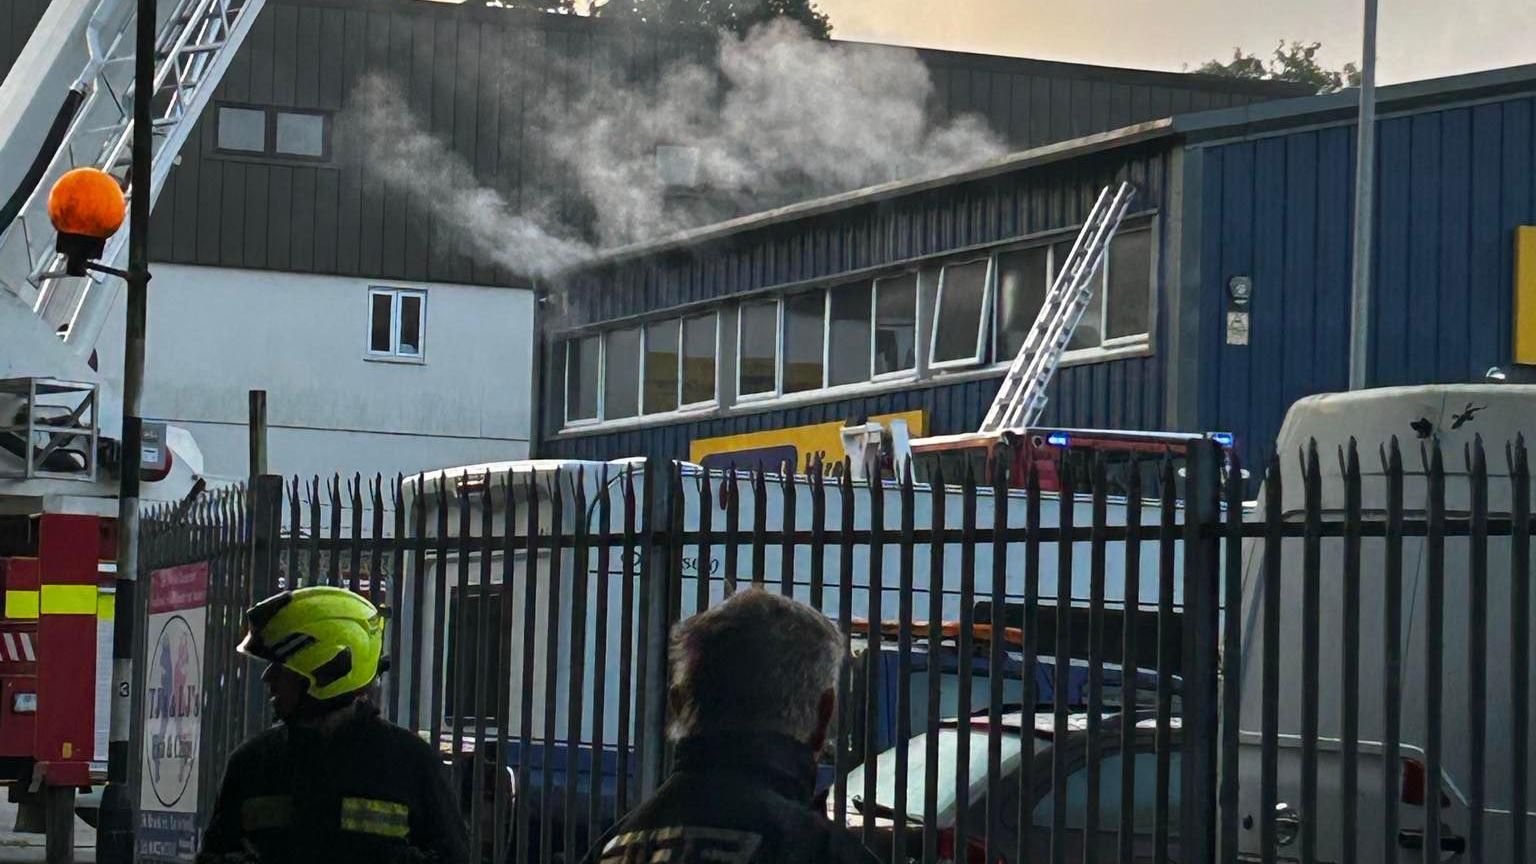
(917, 772)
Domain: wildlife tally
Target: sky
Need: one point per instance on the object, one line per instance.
(1416, 38)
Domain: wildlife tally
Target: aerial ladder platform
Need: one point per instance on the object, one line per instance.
(68, 103)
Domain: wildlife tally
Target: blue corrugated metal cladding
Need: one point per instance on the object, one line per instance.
(1125, 393)
(1452, 184)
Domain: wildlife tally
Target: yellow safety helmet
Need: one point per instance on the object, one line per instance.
(331, 636)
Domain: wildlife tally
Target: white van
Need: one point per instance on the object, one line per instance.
(1453, 414)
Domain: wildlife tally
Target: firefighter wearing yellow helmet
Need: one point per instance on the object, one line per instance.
(332, 781)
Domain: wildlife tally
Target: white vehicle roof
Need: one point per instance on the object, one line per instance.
(1452, 413)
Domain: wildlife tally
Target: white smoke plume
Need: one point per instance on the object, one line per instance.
(413, 160)
(778, 117)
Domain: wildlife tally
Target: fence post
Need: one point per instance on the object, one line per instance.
(1202, 644)
(655, 579)
(266, 546)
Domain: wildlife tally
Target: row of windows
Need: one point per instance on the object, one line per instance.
(663, 366)
(977, 310)
(258, 131)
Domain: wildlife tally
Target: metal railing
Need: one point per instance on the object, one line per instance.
(1018, 669)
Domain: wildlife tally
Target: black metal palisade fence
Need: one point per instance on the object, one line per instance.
(1121, 679)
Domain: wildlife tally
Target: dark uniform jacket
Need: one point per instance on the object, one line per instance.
(733, 799)
(360, 790)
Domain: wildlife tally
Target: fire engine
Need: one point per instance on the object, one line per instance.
(63, 107)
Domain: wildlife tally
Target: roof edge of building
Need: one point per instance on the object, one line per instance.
(1280, 113)
(1022, 159)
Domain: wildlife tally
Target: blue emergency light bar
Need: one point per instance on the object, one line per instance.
(1058, 439)
(1222, 438)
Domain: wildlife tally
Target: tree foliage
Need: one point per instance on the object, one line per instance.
(1292, 61)
(737, 16)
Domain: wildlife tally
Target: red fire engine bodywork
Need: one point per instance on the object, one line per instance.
(48, 657)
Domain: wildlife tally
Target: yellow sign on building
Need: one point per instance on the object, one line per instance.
(800, 446)
(1525, 294)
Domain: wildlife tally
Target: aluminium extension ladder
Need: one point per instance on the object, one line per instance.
(1022, 397)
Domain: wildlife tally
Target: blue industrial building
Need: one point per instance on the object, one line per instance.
(1225, 296)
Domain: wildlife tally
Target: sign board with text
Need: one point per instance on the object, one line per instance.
(173, 681)
(801, 447)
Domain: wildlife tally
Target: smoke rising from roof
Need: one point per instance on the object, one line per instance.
(415, 161)
(777, 117)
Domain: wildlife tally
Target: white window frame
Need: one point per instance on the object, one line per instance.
(778, 351)
(826, 339)
(1120, 346)
(714, 398)
(597, 410)
(394, 355)
(602, 377)
(983, 326)
(874, 325)
(641, 418)
(1134, 338)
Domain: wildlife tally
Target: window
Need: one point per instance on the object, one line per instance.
(396, 322)
(758, 354)
(1021, 286)
(895, 325)
(242, 129)
(661, 367)
(621, 373)
(677, 166)
(581, 368)
(300, 133)
(1118, 312)
(1127, 285)
(480, 604)
(265, 131)
(848, 334)
(699, 340)
(805, 321)
(960, 314)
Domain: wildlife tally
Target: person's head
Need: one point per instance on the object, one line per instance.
(759, 662)
(323, 646)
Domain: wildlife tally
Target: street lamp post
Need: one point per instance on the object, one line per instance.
(114, 839)
(83, 217)
(1365, 183)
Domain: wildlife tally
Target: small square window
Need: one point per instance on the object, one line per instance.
(397, 319)
(677, 166)
(301, 134)
(242, 129)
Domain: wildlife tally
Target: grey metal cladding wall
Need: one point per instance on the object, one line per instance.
(338, 217)
(1452, 184)
(861, 236)
(1124, 393)
(17, 20)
